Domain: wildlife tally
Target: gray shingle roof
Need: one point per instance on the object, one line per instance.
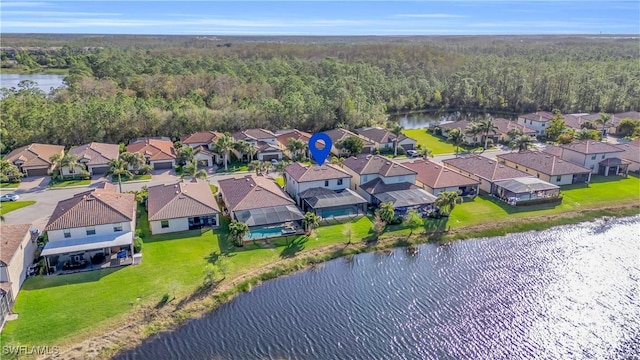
(375, 164)
(544, 163)
(484, 168)
(34, 154)
(12, 237)
(437, 176)
(591, 147)
(184, 199)
(96, 153)
(306, 173)
(252, 192)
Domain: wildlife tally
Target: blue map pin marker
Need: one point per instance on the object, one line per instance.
(320, 155)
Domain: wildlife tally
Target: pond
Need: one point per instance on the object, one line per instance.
(45, 82)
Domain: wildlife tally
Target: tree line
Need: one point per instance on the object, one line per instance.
(119, 92)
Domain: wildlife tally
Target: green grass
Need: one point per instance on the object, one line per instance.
(9, 185)
(66, 183)
(114, 179)
(9, 206)
(437, 145)
(214, 189)
(234, 166)
(279, 181)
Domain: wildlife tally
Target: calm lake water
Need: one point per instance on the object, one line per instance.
(419, 120)
(45, 81)
(570, 292)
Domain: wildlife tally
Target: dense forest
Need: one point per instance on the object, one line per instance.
(122, 87)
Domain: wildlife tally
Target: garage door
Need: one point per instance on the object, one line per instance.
(269, 157)
(162, 165)
(99, 170)
(37, 172)
(203, 163)
(407, 146)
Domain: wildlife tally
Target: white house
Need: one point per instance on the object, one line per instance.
(547, 167)
(537, 121)
(485, 170)
(599, 157)
(186, 205)
(366, 168)
(204, 145)
(94, 156)
(17, 251)
(93, 225)
(436, 178)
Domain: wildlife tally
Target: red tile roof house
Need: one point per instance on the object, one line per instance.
(379, 179)
(204, 145)
(267, 143)
(484, 170)
(95, 156)
(631, 153)
(283, 137)
(504, 127)
(160, 153)
(34, 159)
(602, 158)
(91, 230)
(536, 121)
(437, 178)
(384, 140)
(186, 205)
(613, 122)
(261, 204)
(323, 190)
(340, 134)
(547, 167)
(17, 251)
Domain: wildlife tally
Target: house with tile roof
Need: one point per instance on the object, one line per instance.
(484, 170)
(384, 140)
(94, 156)
(602, 158)
(547, 167)
(186, 205)
(503, 132)
(614, 121)
(323, 190)
(261, 204)
(520, 191)
(34, 159)
(264, 140)
(91, 230)
(283, 137)
(203, 144)
(159, 153)
(340, 134)
(631, 153)
(17, 251)
(436, 178)
(537, 121)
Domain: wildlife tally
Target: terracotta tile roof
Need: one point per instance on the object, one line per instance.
(375, 164)
(635, 142)
(203, 137)
(252, 192)
(339, 134)
(461, 124)
(93, 207)
(204, 150)
(591, 147)
(283, 138)
(544, 163)
(379, 135)
(34, 154)
(266, 147)
(11, 236)
(254, 134)
(305, 173)
(437, 176)
(377, 186)
(505, 125)
(553, 150)
(156, 149)
(575, 122)
(540, 116)
(183, 199)
(96, 153)
(485, 168)
(627, 115)
(631, 151)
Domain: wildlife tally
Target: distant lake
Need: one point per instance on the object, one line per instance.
(419, 120)
(45, 82)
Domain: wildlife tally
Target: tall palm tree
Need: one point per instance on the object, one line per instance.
(456, 137)
(603, 120)
(337, 161)
(485, 127)
(424, 153)
(224, 144)
(245, 148)
(259, 166)
(387, 212)
(134, 160)
(522, 143)
(185, 155)
(296, 148)
(396, 130)
(67, 160)
(447, 200)
(310, 221)
(119, 167)
(281, 166)
(237, 230)
(191, 170)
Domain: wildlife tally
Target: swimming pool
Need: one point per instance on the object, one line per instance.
(339, 212)
(263, 233)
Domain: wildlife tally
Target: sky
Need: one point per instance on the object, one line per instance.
(453, 17)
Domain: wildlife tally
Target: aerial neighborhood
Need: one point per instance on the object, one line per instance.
(261, 184)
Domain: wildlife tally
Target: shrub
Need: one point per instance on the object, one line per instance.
(139, 233)
(137, 244)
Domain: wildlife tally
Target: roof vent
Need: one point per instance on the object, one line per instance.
(388, 163)
(177, 192)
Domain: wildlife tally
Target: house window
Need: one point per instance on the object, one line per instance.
(67, 234)
(164, 224)
(339, 181)
(91, 230)
(593, 157)
(603, 156)
(214, 221)
(558, 178)
(117, 228)
(326, 183)
(72, 170)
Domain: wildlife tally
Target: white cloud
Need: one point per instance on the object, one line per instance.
(23, 4)
(55, 13)
(430, 16)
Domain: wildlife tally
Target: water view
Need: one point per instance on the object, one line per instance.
(567, 292)
(45, 82)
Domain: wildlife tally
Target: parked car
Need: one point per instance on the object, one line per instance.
(274, 162)
(9, 197)
(412, 153)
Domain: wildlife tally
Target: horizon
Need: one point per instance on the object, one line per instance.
(322, 18)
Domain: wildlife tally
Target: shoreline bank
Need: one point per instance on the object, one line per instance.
(146, 321)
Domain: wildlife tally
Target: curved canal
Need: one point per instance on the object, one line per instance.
(571, 292)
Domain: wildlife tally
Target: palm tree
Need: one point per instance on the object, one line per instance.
(259, 166)
(456, 137)
(191, 170)
(134, 160)
(118, 167)
(396, 130)
(337, 161)
(223, 145)
(424, 152)
(485, 127)
(185, 155)
(9, 172)
(281, 166)
(60, 161)
(387, 212)
(413, 220)
(603, 120)
(237, 230)
(245, 148)
(447, 200)
(310, 221)
(522, 143)
(296, 148)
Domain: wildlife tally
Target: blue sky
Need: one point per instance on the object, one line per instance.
(321, 17)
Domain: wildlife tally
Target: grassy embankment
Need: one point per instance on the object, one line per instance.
(57, 184)
(76, 307)
(436, 144)
(9, 185)
(114, 179)
(9, 206)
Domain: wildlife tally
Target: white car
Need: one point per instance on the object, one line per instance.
(9, 197)
(274, 162)
(411, 153)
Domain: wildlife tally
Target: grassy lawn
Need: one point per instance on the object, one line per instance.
(65, 183)
(214, 189)
(279, 181)
(134, 178)
(9, 206)
(436, 144)
(233, 167)
(9, 185)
